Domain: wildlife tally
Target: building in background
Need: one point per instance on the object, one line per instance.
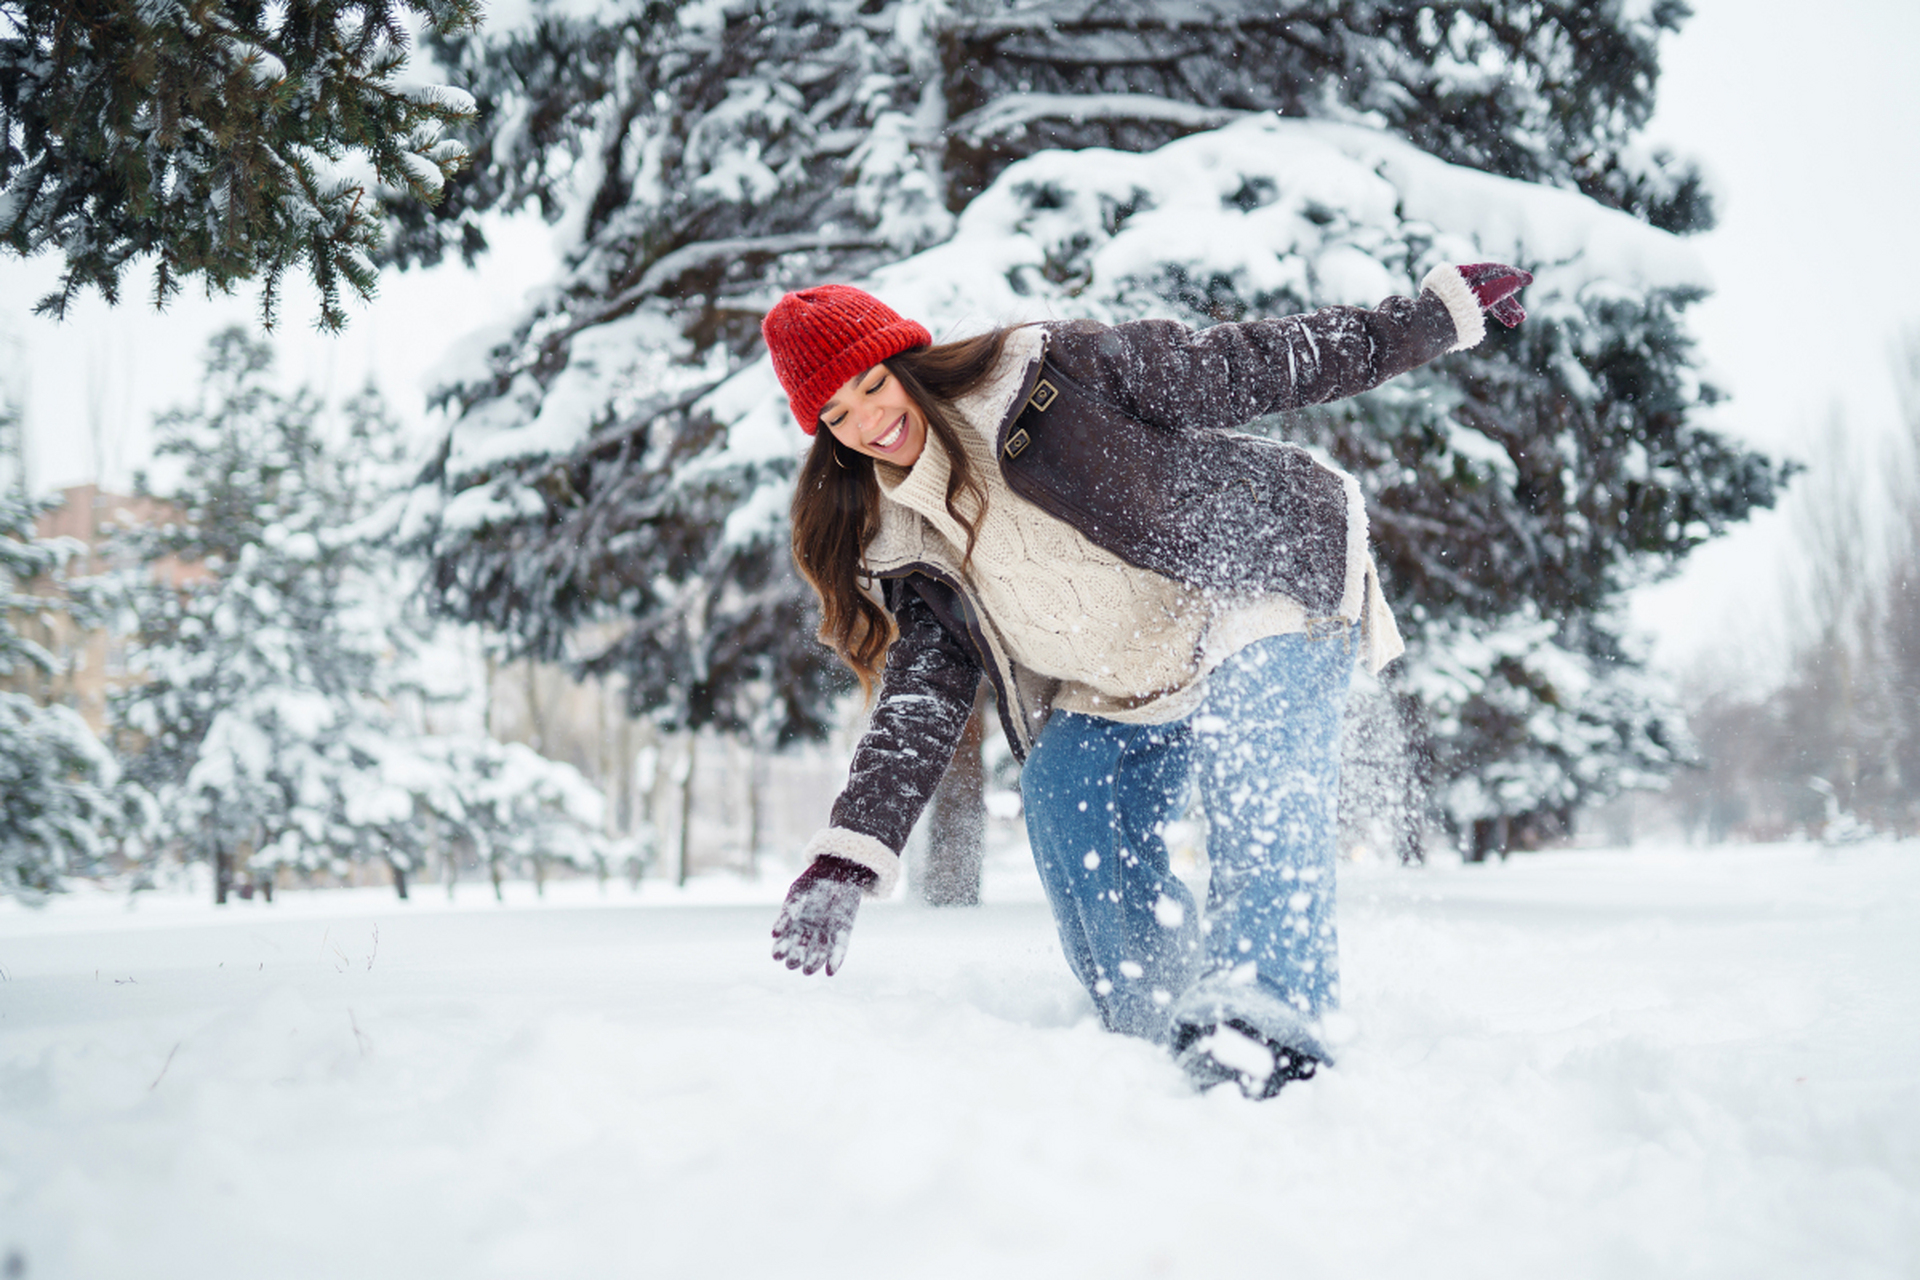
(90, 662)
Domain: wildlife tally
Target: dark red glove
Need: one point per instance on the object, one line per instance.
(1497, 287)
(816, 920)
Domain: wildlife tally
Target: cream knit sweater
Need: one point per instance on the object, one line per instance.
(1126, 643)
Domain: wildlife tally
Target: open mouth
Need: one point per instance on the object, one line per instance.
(891, 438)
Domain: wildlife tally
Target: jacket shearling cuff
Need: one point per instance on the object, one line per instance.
(861, 849)
(1469, 321)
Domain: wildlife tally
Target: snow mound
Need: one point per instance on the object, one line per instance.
(1577, 1065)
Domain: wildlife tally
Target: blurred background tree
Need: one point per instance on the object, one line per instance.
(57, 808)
(270, 720)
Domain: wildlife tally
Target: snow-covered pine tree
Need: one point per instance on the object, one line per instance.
(512, 809)
(56, 778)
(606, 461)
(732, 145)
(226, 139)
(269, 721)
(1548, 92)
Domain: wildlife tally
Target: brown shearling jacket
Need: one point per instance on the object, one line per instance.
(1126, 432)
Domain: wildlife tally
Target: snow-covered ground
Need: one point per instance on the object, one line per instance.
(1657, 1062)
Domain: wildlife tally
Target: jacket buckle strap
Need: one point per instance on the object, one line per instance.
(1044, 394)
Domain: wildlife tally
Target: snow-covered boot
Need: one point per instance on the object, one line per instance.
(1234, 1051)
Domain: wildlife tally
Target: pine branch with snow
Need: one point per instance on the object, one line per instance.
(226, 141)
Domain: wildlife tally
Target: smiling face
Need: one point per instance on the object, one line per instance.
(871, 413)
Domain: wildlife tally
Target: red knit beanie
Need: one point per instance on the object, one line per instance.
(821, 337)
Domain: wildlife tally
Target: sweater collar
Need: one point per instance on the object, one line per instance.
(921, 487)
(983, 415)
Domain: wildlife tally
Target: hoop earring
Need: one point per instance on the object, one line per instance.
(836, 458)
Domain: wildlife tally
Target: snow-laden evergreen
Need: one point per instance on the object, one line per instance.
(693, 152)
(610, 461)
(518, 812)
(1510, 505)
(1553, 92)
(279, 656)
(227, 141)
(1516, 494)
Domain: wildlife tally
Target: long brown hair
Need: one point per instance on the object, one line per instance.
(836, 500)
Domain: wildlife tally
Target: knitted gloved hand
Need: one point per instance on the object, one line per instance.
(1496, 286)
(816, 920)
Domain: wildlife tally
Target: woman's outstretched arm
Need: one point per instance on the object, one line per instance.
(926, 697)
(1166, 373)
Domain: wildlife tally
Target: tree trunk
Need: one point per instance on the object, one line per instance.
(486, 709)
(649, 762)
(686, 810)
(957, 822)
(757, 769)
(620, 813)
(222, 874)
(1409, 844)
(1489, 836)
(536, 716)
(399, 878)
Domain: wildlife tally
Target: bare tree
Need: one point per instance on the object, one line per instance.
(1834, 749)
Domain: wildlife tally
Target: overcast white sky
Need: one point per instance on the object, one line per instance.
(1808, 119)
(92, 384)
(1809, 125)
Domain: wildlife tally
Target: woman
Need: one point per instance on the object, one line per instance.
(1158, 601)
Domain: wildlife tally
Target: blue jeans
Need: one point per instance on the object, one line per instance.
(1264, 748)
